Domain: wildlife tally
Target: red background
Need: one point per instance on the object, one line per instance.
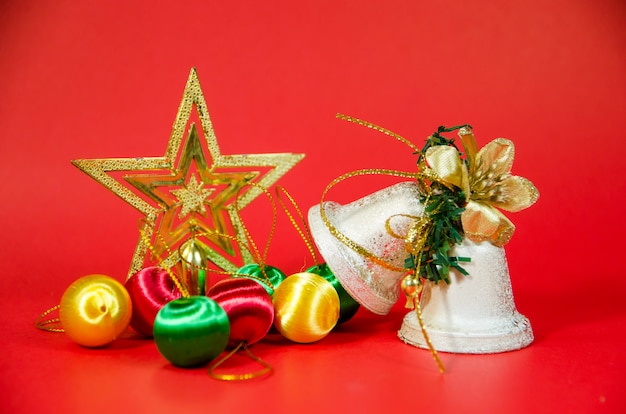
(89, 80)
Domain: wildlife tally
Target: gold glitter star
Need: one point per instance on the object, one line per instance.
(192, 197)
(167, 192)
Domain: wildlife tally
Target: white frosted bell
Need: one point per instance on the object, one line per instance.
(364, 222)
(474, 314)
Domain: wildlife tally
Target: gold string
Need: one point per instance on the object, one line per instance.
(420, 177)
(305, 235)
(252, 249)
(42, 324)
(162, 240)
(266, 370)
(390, 230)
(346, 240)
(224, 272)
(379, 129)
(433, 351)
(260, 259)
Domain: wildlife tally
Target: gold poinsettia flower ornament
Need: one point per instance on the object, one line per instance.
(487, 182)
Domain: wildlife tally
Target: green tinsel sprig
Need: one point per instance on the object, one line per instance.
(443, 207)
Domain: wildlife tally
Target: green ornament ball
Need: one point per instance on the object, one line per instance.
(191, 331)
(254, 272)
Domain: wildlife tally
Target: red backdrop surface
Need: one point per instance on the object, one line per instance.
(94, 80)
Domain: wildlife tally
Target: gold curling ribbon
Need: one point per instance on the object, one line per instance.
(432, 349)
(266, 370)
(251, 247)
(414, 298)
(304, 231)
(379, 129)
(379, 260)
(265, 280)
(343, 238)
(414, 239)
(260, 260)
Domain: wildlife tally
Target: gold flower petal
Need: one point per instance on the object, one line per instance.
(480, 221)
(516, 194)
(445, 161)
(505, 231)
(496, 157)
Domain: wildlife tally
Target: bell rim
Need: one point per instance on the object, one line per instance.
(513, 334)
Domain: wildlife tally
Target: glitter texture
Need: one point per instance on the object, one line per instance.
(475, 314)
(166, 190)
(364, 222)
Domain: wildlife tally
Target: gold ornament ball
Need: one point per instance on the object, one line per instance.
(411, 286)
(95, 310)
(306, 307)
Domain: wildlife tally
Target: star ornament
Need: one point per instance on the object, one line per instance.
(192, 191)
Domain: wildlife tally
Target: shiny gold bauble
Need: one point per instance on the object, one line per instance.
(95, 310)
(306, 307)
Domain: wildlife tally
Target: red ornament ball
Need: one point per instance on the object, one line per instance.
(248, 306)
(150, 289)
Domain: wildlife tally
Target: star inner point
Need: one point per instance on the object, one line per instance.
(192, 197)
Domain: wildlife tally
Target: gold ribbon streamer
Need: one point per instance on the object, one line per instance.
(414, 235)
(252, 249)
(346, 240)
(224, 272)
(266, 370)
(433, 351)
(379, 129)
(415, 239)
(260, 259)
(305, 234)
(371, 256)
